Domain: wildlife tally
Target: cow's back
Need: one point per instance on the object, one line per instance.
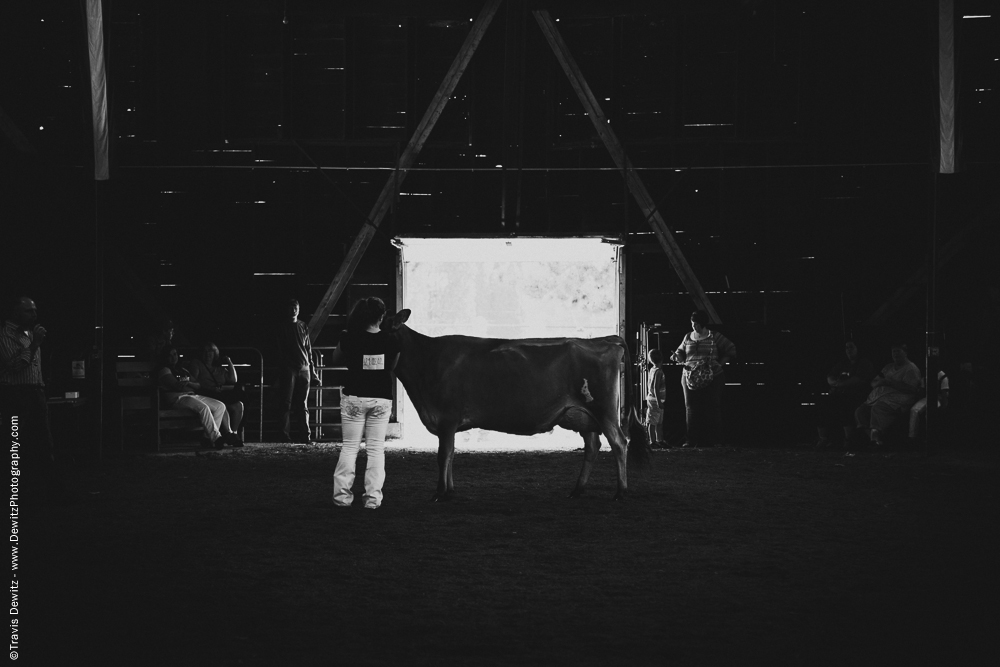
(521, 386)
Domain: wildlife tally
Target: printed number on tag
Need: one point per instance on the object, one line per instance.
(373, 362)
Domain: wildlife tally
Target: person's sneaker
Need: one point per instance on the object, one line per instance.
(234, 440)
(205, 443)
(220, 442)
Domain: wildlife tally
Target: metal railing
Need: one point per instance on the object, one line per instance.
(318, 409)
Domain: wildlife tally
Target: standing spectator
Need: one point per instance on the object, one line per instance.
(370, 355)
(216, 378)
(703, 353)
(849, 385)
(22, 394)
(296, 371)
(894, 390)
(656, 395)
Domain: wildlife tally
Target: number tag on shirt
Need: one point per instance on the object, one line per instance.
(373, 362)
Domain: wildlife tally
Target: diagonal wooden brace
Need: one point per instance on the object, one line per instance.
(406, 160)
(635, 184)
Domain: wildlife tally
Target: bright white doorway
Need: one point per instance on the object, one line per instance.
(508, 288)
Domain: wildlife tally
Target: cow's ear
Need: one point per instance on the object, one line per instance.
(400, 318)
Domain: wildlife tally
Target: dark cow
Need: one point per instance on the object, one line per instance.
(523, 387)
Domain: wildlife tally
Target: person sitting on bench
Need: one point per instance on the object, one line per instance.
(177, 390)
(216, 378)
(894, 390)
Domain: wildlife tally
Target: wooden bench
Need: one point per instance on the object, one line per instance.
(140, 404)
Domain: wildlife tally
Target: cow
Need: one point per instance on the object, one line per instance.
(522, 386)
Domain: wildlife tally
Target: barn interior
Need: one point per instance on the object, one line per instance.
(825, 171)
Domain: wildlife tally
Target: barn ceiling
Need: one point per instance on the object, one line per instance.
(788, 143)
(724, 83)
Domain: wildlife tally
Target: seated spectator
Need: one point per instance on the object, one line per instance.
(161, 339)
(894, 390)
(848, 381)
(919, 408)
(656, 395)
(219, 381)
(177, 390)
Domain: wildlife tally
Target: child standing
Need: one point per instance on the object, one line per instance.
(656, 394)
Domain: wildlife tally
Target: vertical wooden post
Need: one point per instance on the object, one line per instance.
(99, 115)
(946, 165)
(946, 85)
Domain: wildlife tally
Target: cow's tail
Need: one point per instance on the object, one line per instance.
(639, 449)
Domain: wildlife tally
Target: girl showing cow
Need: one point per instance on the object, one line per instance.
(365, 400)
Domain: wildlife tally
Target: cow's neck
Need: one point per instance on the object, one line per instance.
(412, 346)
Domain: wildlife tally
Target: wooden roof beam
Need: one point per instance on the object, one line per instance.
(614, 146)
(406, 160)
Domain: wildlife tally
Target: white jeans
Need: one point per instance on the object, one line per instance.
(211, 412)
(368, 416)
(918, 409)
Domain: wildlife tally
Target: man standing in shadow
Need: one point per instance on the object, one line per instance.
(296, 371)
(22, 403)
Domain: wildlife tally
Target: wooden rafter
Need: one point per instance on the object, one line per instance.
(406, 159)
(614, 146)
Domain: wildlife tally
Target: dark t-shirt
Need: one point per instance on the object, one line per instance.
(369, 358)
(861, 369)
(294, 346)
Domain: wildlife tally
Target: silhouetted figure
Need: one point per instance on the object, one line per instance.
(295, 372)
(894, 390)
(703, 353)
(656, 396)
(161, 339)
(178, 390)
(22, 405)
(849, 382)
(216, 378)
(370, 355)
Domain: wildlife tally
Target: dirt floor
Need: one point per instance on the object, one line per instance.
(720, 556)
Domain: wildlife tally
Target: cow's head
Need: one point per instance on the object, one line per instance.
(393, 323)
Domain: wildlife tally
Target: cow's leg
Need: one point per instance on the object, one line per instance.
(619, 445)
(591, 445)
(446, 454)
(451, 477)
